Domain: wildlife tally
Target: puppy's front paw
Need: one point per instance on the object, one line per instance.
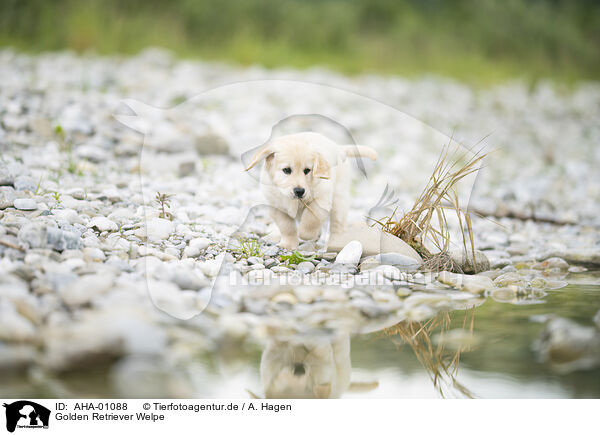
(289, 243)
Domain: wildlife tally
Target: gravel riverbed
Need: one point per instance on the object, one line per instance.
(87, 255)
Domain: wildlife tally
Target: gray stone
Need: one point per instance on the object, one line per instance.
(33, 235)
(24, 182)
(60, 240)
(465, 261)
(254, 260)
(7, 175)
(583, 256)
(305, 267)
(568, 346)
(7, 196)
(186, 168)
(92, 153)
(270, 262)
(271, 251)
(510, 279)
(398, 259)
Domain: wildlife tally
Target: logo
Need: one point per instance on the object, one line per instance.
(26, 414)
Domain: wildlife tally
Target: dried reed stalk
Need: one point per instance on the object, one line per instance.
(441, 366)
(437, 198)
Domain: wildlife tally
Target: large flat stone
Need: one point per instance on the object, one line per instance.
(373, 240)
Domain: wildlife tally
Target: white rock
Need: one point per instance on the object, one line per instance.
(373, 240)
(389, 272)
(350, 254)
(196, 246)
(307, 294)
(102, 223)
(86, 289)
(93, 254)
(68, 215)
(305, 267)
(181, 304)
(156, 229)
(25, 204)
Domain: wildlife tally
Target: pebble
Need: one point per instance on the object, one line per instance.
(305, 267)
(25, 204)
(254, 260)
(102, 223)
(25, 183)
(86, 289)
(33, 235)
(397, 259)
(286, 298)
(156, 229)
(7, 197)
(60, 240)
(472, 283)
(465, 261)
(350, 254)
(390, 272)
(196, 246)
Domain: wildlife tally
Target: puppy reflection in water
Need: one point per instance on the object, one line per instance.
(308, 368)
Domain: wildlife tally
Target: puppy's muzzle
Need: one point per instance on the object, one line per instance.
(299, 192)
(299, 369)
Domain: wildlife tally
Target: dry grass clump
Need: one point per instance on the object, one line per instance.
(427, 219)
(442, 366)
(439, 262)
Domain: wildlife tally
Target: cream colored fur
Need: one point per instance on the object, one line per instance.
(326, 183)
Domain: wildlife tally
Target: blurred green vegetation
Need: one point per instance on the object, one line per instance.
(475, 40)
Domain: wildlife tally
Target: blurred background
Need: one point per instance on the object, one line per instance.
(480, 41)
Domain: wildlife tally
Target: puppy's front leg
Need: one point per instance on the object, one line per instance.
(287, 228)
(311, 222)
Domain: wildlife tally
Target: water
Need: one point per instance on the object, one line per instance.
(493, 347)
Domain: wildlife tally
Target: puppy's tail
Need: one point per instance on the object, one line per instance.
(360, 151)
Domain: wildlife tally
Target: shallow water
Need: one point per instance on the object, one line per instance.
(496, 360)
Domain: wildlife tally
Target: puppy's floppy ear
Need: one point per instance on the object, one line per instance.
(261, 154)
(322, 168)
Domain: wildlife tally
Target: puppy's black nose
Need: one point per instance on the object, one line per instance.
(299, 192)
(299, 369)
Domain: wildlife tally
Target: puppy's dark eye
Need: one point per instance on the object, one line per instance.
(306, 171)
(287, 170)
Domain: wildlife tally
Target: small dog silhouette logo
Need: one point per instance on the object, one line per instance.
(26, 414)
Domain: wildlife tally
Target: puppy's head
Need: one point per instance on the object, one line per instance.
(293, 168)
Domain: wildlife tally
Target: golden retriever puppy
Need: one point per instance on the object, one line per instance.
(305, 180)
(317, 368)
